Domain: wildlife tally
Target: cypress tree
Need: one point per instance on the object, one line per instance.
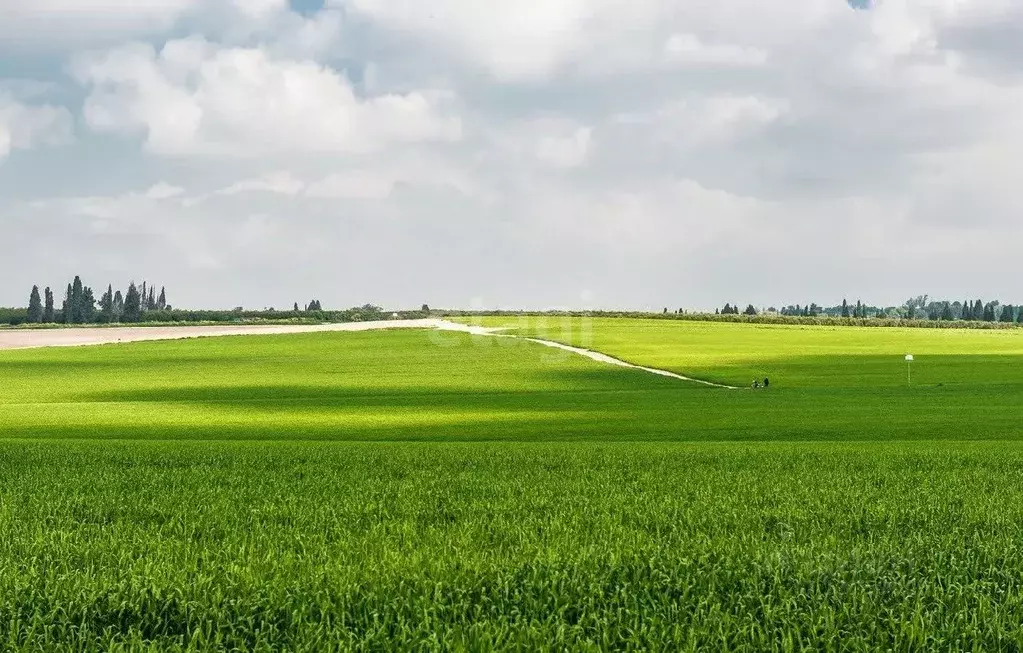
(845, 308)
(966, 312)
(978, 310)
(989, 313)
(118, 306)
(66, 309)
(88, 305)
(48, 312)
(1008, 313)
(161, 303)
(106, 305)
(35, 306)
(132, 304)
(1019, 318)
(77, 301)
(946, 313)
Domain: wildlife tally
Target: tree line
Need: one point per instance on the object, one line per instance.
(916, 308)
(143, 303)
(80, 305)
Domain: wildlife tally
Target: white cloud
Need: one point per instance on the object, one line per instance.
(260, 9)
(196, 98)
(25, 126)
(360, 185)
(54, 23)
(690, 49)
(282, 183)
(652, 151)
(565, 151)
(163, 191)
(703, 121)
(513, 40)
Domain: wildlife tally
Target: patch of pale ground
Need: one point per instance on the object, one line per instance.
(84, 336)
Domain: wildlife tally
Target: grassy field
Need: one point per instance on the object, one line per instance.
(412, 490)
(794, 356)
(308, 546)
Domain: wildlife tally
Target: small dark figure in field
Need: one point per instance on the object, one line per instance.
(767, 383)
(756, 384)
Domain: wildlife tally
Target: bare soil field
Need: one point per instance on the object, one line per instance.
(78, 337)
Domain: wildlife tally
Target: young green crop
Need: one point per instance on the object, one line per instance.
(421, 385)
(210, 495)
(795, 356)
(271, 546)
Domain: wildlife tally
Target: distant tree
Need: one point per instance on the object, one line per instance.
(947, 314)
(989, 312)
(48, 312)
(314, 306)
(750, 310)
(161, 302)
(76, 302)
(1019, 317)
(66, 307)
(978, 310)
(106, 305)
(965, 311)
(118, 306)
(296, 307)
(151, 302)
(35, 306)
(426, 309)
(88, 306)
(143, 297)
(1008, 313)
(132, 305)
(845, 308)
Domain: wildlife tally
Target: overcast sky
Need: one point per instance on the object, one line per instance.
(538, 153)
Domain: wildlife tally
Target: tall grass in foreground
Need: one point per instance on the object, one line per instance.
(319, 546)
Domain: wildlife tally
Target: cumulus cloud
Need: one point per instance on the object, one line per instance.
(25, 126)
(690, 49)
(635, 153)
(193, 97)
(49, 23)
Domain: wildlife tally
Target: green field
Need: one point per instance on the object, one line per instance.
(405, 489)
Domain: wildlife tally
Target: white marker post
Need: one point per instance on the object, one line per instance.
(909, 369)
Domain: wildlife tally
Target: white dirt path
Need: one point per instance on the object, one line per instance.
(610, 360)
(90, 336)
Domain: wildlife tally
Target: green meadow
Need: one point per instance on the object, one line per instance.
(438, 491)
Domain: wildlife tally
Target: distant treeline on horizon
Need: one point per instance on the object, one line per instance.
(143, 304)
(916, 308)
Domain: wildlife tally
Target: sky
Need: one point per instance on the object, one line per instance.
(543, 154)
